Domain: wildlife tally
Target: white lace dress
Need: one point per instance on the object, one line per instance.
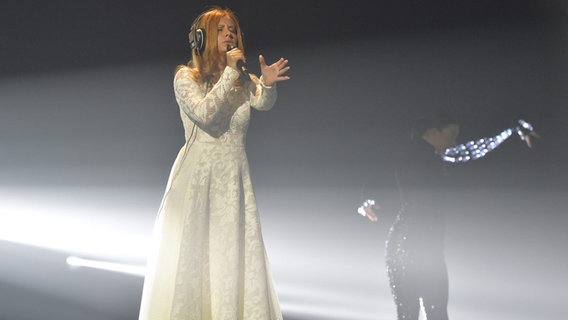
(208, 260)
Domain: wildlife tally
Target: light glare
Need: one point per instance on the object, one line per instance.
(108, 266)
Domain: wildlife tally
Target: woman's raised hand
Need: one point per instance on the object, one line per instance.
(275, 72)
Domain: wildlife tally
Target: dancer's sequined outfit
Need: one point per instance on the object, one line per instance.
(415, 245)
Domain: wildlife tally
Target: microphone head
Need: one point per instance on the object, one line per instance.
(230, 47)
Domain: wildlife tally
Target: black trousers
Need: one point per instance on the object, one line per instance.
(416, 269)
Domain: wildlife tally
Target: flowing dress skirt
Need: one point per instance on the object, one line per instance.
(208, 259)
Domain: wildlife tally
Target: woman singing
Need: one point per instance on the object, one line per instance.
(208, 259)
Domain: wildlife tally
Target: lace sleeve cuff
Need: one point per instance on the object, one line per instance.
(265, 86)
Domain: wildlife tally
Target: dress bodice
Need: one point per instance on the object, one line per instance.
(220, 113)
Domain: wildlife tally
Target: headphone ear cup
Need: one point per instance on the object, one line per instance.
(200, 37)
(197, 40)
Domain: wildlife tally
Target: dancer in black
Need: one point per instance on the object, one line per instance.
(415, 261)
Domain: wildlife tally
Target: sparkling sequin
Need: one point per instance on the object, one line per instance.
(472, 150)
(415, 262)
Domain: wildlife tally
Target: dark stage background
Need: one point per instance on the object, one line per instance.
(89, 129)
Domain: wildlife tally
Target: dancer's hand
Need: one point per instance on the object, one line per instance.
(275, 72)
(525, 131)
(368, 209)
(527, 138)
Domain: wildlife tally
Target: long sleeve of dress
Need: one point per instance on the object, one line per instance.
(262, 97)
(204, 109)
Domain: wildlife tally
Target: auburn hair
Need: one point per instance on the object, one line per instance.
(204, 66)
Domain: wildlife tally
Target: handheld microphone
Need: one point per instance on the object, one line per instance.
(241, 66)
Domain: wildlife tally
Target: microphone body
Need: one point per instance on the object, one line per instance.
(241, 66)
